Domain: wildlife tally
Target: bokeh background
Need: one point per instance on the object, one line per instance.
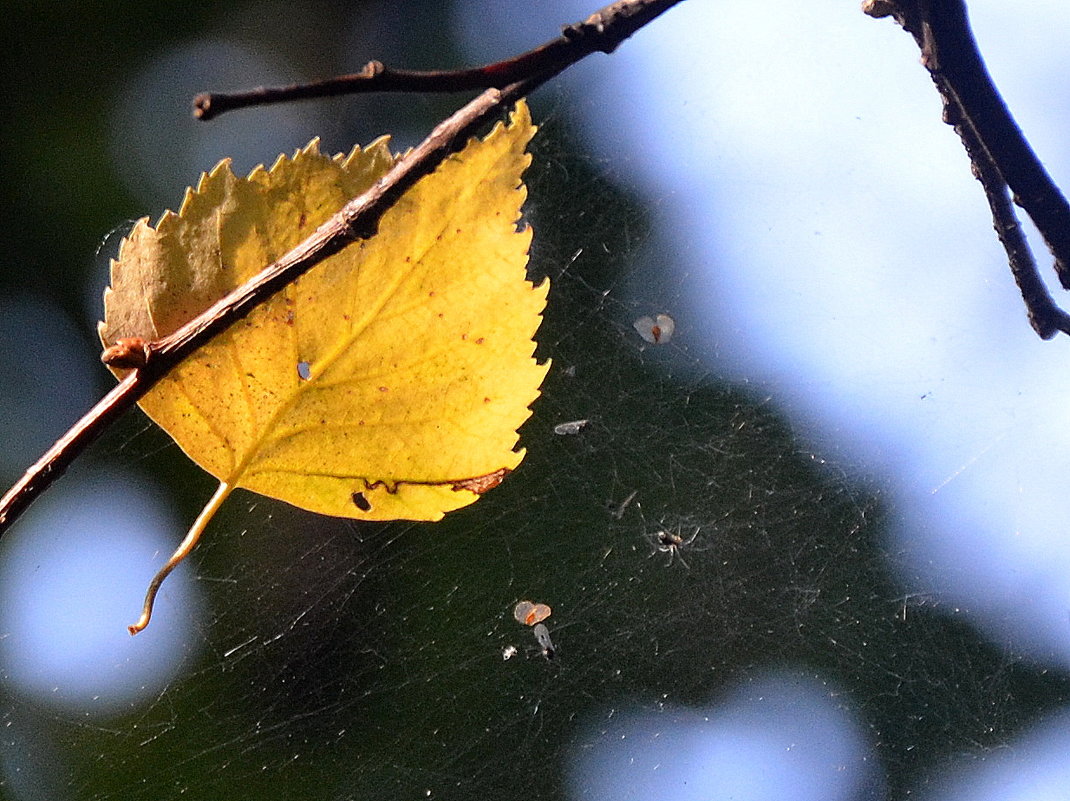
(853, 430)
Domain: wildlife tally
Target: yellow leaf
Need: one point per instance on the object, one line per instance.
(390, 380)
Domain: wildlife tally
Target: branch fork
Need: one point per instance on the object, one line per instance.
(1002, 160)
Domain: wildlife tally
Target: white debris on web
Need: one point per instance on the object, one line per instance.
(571, 427)
(656, 330)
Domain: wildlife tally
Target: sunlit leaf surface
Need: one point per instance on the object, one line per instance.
(390, 380)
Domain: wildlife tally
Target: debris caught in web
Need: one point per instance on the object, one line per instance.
(656, 330)
(528, 613)
(542, 637)
(571, 427)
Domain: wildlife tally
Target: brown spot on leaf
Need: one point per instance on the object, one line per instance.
(361, 502)
(481, 484)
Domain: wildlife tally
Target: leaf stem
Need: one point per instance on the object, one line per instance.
(183, 550)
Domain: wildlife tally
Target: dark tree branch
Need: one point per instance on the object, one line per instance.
(602, 32)
(1045, 316)
(374, 77)
(999, 152)
(359, 218)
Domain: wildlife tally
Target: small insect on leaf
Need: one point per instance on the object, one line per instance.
(386, 383)
(657, 330)
(528, 613)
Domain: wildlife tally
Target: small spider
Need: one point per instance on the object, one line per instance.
(671, 542)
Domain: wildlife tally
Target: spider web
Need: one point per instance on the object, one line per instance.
(344, 660)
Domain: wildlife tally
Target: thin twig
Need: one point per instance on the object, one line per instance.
(1001, 156)
(960, 70)
(575, 40)
(373, 77)
(1045, 316)
(359, 218)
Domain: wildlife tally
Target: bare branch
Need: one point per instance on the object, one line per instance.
(602, 32)
(359, 218)
(1045, 316)
(1001, 156)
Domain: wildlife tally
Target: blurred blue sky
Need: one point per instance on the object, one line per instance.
(773, 737)
(76, 570)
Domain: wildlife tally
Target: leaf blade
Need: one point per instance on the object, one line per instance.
(413, 387)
